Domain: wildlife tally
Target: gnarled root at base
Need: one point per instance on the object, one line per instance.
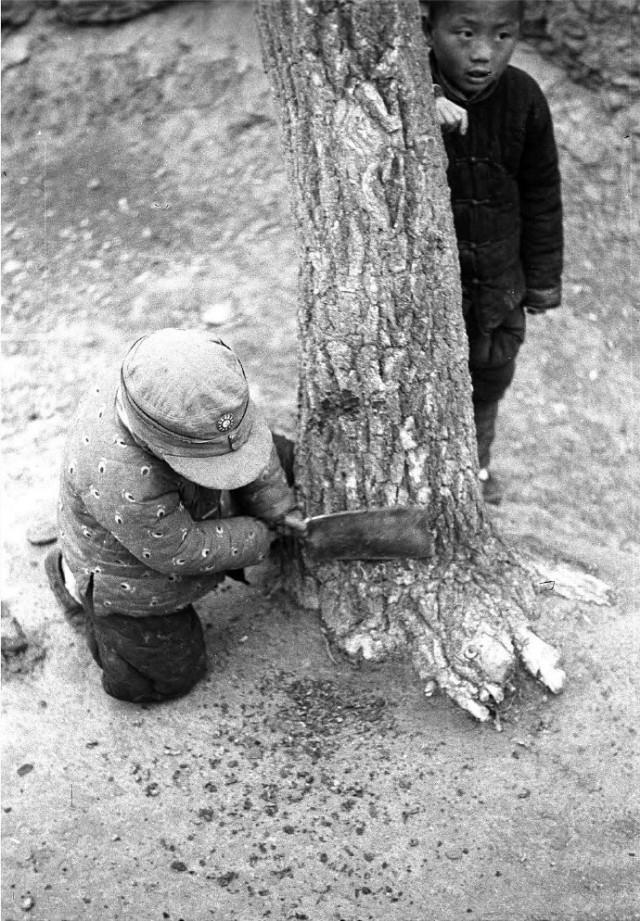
(465, 624)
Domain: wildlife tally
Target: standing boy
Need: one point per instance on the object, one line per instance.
(170, 480)
(505, 193)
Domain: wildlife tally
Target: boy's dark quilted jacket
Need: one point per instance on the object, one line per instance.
(505, 193)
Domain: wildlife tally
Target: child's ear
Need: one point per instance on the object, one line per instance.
(425, 19)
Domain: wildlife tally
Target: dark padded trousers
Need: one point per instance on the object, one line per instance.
(142, 659)
(492, 363)
(489, 386)
(485, 415)
(148, 658)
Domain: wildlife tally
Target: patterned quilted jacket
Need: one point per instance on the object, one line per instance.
(146, 540)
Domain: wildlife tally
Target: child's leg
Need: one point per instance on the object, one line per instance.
(143, 658)
(492, 362)
(489, 386)
(485, 414)
(149, 658)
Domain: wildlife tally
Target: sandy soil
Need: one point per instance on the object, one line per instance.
(144, 187)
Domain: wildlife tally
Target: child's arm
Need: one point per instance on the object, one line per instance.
(161, 533)
(541, 210)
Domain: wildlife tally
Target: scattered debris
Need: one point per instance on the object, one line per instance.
(14, 641)
(454, 853)
(20, 653)
(226, 878)
(42, 531)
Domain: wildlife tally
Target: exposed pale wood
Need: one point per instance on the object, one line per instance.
(569, 582)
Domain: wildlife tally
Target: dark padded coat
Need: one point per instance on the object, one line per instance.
(507, 209)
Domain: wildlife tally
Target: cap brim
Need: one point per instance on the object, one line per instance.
(227, 471)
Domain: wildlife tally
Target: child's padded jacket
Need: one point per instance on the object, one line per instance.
(506, 199)
(133, 531)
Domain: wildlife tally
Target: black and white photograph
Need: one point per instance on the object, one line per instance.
(321, 470)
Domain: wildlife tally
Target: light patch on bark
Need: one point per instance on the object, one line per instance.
(415, 459)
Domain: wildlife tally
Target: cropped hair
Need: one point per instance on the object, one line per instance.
(435, 7)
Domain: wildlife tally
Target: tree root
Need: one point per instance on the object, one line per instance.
(465, 624)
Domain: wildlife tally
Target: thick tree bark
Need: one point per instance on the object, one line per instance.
(385, 413)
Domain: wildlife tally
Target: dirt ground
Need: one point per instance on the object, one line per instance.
(144, 187)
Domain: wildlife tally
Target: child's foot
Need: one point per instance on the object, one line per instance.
(491, 487)
(53, 569)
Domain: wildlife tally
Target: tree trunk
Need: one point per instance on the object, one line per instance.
(385, 413)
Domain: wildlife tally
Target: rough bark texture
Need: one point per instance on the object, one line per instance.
(384, 402)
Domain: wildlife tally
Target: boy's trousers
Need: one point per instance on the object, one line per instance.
(492, 363)
(489, 386)
(150, 658)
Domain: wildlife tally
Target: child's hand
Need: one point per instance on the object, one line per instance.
(451, 117)
(293, 524)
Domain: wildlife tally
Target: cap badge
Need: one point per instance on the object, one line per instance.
(225, 422)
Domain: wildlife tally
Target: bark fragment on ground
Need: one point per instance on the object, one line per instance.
(569, 581)
(20, 653)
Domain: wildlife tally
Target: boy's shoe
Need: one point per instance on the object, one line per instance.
(491, 487)
(53, 569)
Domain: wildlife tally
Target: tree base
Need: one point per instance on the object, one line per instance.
(464, 623)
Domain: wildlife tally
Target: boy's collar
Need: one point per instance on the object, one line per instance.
(450, 91)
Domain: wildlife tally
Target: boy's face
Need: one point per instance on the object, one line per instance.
(473, 41)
